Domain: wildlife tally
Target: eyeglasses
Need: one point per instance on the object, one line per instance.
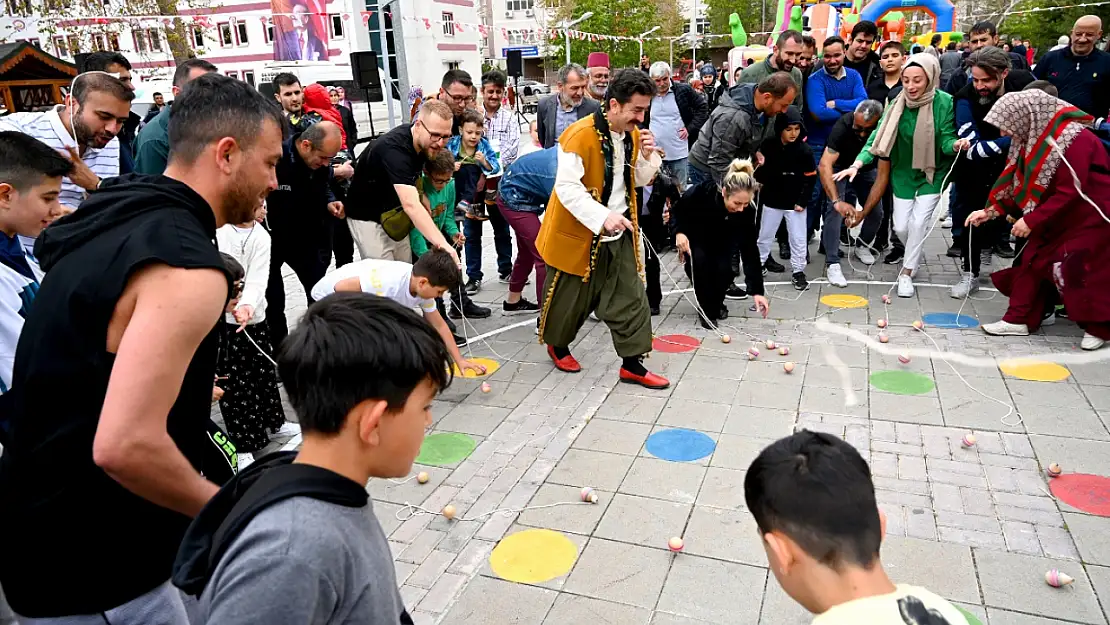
(442, 180)
(436, 137)
(461, 99)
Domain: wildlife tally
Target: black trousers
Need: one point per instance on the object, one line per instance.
(342, 243)
(656, 233)
(886, 233)
(308, 259)
(712, 274)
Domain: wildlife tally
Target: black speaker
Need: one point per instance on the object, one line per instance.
(364, 67)
(79, 60)
(514, 61)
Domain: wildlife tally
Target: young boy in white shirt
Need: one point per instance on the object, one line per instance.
(814, 503)
(412, 286)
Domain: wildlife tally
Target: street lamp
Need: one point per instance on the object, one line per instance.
(680, 38)
(645, 34)
(566, 30)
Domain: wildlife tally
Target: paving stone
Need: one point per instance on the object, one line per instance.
(402, 491)
(581, 467)
(944, 569)
(612, 436)
(577, 519)
(832, 400)
(1100, 580)
(884, 465)
(642, 521)
(1092, 537)
(972, 538)
(618, 572)
(694, 415)
(911, 468)
(958, 479)
(632, 408)
(402, 570)
(737, 452)
(902, 498)
(920, 523)
(663, 618)
(1026, 501)
(662, 479)
(488, 601)
(895, 519)
(947, 497)
(702, 366)
(976, 501)
(714, 591)
(780, 609)
(722, 488)
(885, 431)
(1006, 617)
(767, 395)
(1017, 445)
(471, 419)
(904, 486)
(1016, 582)
(698, 389)
(1030, 515)
(574, 610)
(767, 423)
(411, 595)
(951, 466)
(725, 535)
(1056, 542)
(423, 545)
(443, 593)
(1021, 537)
(472, 557)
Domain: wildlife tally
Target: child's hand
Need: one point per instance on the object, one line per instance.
(458, 164)
(460, 238)
(217, 394)
(481, 158)
(243, 315)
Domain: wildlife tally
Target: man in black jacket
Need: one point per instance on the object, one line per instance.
(298, 216)
(983, 34)
(859, 55)
(676, 116)
(1080, 71)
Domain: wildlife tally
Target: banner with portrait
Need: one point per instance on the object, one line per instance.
(300, 30)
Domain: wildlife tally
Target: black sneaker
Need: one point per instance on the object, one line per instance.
(708, 325)
(844, 238)
(470, 311)
(735, 292)
(473, 286)
(1003, 249)
(784, 251)
(459, 341)
(953, 251)
(655, 311)
(724, 313)
(772, 266)
(799, 281)
(506, 277)
(895, 256)
(521, 307)
(985, 257)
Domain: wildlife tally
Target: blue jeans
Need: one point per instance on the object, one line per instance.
(697, 176)
(502, 242)
(849, 192)
(678, 169)
(817, 200)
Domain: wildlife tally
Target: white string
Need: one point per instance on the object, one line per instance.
(1075, 179)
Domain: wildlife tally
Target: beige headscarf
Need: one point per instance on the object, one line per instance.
(924, 136)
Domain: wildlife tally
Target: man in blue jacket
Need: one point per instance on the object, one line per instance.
(522, 197)
(1081, 72)
(831, 92)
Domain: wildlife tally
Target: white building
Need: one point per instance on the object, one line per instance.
(513, 27)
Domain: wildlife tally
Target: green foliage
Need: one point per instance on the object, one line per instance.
(718, 12)
(1043, 28)
(622, 18)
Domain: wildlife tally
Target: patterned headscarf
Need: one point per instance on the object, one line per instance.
(1031, 118)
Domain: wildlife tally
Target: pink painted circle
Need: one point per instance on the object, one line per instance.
(1089, 493)
(675, 343)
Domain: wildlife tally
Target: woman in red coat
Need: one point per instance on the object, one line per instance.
(1043, 188)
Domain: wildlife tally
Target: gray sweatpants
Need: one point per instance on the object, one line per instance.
(162, 606)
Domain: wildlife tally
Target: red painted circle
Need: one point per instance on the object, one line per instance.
(1089, 493)
(675, 343)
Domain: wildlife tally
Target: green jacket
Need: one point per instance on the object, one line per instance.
(906, 181)
(756, 72)
(443, 213)
(152, 146)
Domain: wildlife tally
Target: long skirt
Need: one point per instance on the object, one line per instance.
(251, 405)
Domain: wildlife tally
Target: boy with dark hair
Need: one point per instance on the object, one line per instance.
(294, 539)
(814, 504)
(412, 286)
(30, 182)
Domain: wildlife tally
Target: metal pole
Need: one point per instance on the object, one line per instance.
(385, 63)
(566, 33)
(641, 48)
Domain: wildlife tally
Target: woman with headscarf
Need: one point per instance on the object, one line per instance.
(917, 134)
(317, 100)
(1056, 185)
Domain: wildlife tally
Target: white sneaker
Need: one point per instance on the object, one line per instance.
(865, 256)
(905, 285)
(288, 429)
(1005, 328)
(947, 223)
(967, 285)
(1050, 320)
(245, 460)
(836, 276)
(593, 315)
(1091, 342)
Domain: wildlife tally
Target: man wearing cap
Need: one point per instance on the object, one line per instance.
(714, 88)
(597, 69)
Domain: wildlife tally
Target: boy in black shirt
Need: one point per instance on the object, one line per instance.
(787, 176)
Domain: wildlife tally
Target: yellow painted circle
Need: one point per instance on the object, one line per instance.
(490, 365)
(533, 556)
(844, 301)
(1035, 371)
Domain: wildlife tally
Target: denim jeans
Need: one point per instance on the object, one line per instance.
(696, 176)
(502, 242)
(850, 192)
(678, 169)
(817, 201)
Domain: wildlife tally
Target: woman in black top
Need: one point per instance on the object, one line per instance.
(707, 219)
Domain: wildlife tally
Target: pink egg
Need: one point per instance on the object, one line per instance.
(788, 367)
(881, 323)
(883, 338)
(904, 359)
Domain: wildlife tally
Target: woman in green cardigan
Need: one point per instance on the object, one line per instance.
(917, 134)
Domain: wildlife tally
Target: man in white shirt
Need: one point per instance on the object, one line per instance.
(83, 129)
(590, 246)
(412, 286)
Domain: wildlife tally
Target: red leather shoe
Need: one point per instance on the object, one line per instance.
(566, 363)
(650, 380)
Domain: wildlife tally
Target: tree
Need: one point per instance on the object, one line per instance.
(751, 13)
(1043, 28)
(621, 18)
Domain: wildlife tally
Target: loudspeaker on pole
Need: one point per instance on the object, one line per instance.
(364, 67)
(514, 62)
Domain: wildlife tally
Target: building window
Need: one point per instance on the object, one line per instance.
(248, 77)
(453, 65)
(60, 48)
(448, 24)
(18, 7)
(234, 75)
(226, 38)
(140, 40)
(113, 42)
(519, 5)
(241, 33)
(155, 39)
(99, 43)
(336, 26)
(268, 30)
(703, 26)
(74, 43)
(196, 37)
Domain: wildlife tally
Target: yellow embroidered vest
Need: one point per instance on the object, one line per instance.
(563, 242)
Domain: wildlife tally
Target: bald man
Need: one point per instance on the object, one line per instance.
(1080, 71)
(298, 217)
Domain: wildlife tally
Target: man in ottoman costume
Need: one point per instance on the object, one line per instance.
(591, 248)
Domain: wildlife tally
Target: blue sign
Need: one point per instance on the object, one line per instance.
(529, 51)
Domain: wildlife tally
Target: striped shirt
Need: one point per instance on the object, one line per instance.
(47, 127)
(19, 282)
(503, 133)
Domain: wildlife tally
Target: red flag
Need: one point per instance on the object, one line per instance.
(366, 17)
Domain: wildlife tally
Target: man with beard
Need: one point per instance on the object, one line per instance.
(991, 77)
(298, 216)
(152, 148)
(983, 34)
(557, 112)
(714, 88)
(1081, 72)
(113, 373)
(859, 55)
(597, 66)
(84, 129)
(457, 91)
(783, 57)
(116, 64)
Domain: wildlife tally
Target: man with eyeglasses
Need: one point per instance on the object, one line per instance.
(457, 91)
(383, 190)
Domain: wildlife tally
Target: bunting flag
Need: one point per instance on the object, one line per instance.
(366, 15)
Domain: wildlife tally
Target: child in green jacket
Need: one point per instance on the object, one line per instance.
(437, 194)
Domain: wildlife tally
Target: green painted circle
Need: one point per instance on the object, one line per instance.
(902, 382)
(445, 448)
(971, 619)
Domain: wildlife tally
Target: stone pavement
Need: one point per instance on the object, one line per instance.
(978, 526)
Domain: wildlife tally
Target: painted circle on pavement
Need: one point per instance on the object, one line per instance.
(971, 618)
(949, 320)
(445, 448)
(675, 343)
(490, 365)
(533, 556)
(1035, 371)
(680, 445)
(844, 301)
(902, 382)
(1089, 493)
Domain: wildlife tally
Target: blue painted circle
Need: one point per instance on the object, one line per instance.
(950, 320)
(680, 445)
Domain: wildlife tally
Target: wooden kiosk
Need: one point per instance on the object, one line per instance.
(31, 78)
